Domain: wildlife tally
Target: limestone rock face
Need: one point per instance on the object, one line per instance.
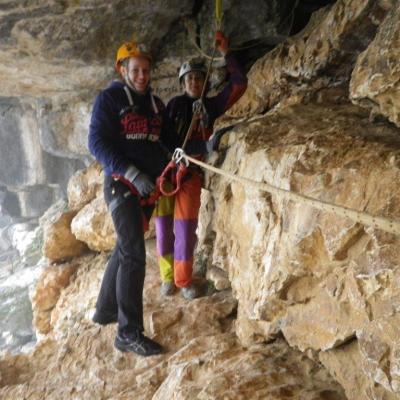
(345, 365)
(379, 347)
(46, 294)
(321, 57)
(30, 201)
(29, 172)
(318, 278)
(92, 222)
(84, 34)
(375, 81)
(84, 186)
(63, 123)
(59, 242)
(93, 225)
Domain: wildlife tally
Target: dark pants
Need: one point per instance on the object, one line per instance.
(122, 286)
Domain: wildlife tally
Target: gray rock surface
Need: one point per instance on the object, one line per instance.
(35, 178)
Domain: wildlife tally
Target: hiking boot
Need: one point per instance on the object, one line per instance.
(137, 343)
(190, 292)
(104, 318)
(167, 288)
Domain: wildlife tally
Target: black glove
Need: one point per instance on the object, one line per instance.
(141, 181)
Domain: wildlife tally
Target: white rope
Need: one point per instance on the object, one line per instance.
(363, 218)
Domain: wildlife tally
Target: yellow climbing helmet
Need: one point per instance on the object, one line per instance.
(131, 49)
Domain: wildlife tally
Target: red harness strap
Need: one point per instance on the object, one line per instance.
(144, 201)
(148, 201)
(174, 174)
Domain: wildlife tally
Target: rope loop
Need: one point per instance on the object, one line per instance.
(172, 175)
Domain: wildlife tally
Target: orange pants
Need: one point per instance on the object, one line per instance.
(176, 224)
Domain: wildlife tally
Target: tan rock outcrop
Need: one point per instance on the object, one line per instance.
(84, 186)
(339, 317)
(375, 81)
(203, 359)
(380, 352)
(58, 241)
(320, 57)
(49, 33)
(47, 292)
(93, 225)
(345, 365)
(314, 276)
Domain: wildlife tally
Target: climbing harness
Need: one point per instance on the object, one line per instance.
(174, 174)
(385, 224)
(144, 201)
(198, 105)
(132, 104)
(176, 170)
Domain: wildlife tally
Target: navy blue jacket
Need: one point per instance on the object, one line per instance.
(120, 135)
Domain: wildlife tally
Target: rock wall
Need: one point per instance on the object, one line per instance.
(327, 283)
(313, 310)
(319, 279)
(375, 78)
(33, 177)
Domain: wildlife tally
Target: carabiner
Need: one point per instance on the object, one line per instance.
(179, 157)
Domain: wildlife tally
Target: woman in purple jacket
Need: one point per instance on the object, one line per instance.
(177, 217)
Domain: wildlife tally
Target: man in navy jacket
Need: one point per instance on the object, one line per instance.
(128, 136)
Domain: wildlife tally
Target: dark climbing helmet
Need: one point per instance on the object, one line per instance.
(195, 64)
